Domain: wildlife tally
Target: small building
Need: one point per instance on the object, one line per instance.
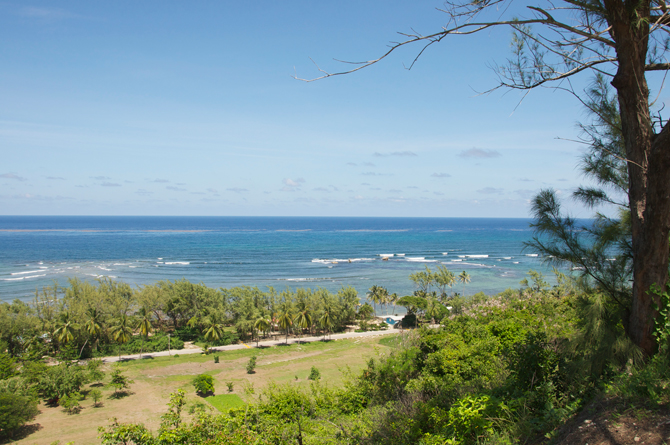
(393, 319)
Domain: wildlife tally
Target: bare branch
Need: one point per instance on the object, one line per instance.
(657, 67)
(467, 29)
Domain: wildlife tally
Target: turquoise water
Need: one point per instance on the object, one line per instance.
(261, 251)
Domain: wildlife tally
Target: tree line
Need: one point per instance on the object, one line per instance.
(87, 319)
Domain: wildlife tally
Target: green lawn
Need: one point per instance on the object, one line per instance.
(224, 402)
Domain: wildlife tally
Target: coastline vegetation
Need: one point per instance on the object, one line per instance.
(504, 370)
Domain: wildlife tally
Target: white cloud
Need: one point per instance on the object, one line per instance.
(291, 185)
(479, 153)
(491, 191)
(110, 184)
(440, 175)
(394, 153)
(12, 176)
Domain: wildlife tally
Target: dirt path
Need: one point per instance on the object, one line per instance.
(265, 343)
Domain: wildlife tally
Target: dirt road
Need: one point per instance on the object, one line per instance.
(251, 345)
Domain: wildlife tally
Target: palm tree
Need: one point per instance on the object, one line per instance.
(432, 309)
(215, 330)
(326, 322)
(444, 277)
(144, 326)
(304, 317)
(261, 324)
(66, 329)
(93, 327)
(383, 296)
(285, 320)
(121, 332)
(464, 278)
(392, 299)
(373, 295)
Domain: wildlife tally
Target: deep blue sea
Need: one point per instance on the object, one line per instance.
(261, 251)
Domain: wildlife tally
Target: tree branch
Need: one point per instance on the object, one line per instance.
(467, 29)
(657, 67)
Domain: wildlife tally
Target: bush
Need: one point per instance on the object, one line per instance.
(251, 365)
(314, 374)
(408, 321)
(71, 402)
(230, 386)
(472, 417)
(7, 366)
(119, 382)
(57, 381)
(216, 359)
(204, 384)
(15, 411)
(96, 395)
(192, 334)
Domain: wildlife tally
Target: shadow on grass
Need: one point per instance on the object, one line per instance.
(97, 385)
(21, 433)
(262, 347)
(120, 394)
(283, 345)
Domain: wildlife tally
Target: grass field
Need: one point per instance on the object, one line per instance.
(224, 402)
(155, 378)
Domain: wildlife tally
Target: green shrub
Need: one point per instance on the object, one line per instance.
(204, 384)
(230, 386)
(96, 395)
(314, 374)
(119, 382)
(216, 359)
(408, 321)
(15, 411)
(7, 366)
(57, 381)
(71, 402)
(251, 365)
(472, 417)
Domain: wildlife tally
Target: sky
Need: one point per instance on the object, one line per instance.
(192, 108)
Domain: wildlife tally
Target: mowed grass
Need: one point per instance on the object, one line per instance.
(225, 402)
(155, 379)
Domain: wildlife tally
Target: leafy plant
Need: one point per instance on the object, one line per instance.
(57, 381)
(7, 366)
(71, 402)
(119, 382)
(15, 411)
(230, 386)
(216, 359)
(251, 365)
(314, 374)
(472, 417)
(96, 395)
(204, 384)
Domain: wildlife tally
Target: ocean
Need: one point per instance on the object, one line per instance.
(280, 252)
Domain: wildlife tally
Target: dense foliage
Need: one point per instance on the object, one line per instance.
(505, 369)
(94, 320)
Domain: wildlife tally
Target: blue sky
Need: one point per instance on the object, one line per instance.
(190, 108)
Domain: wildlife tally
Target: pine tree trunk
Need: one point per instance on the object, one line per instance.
(648, 170)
